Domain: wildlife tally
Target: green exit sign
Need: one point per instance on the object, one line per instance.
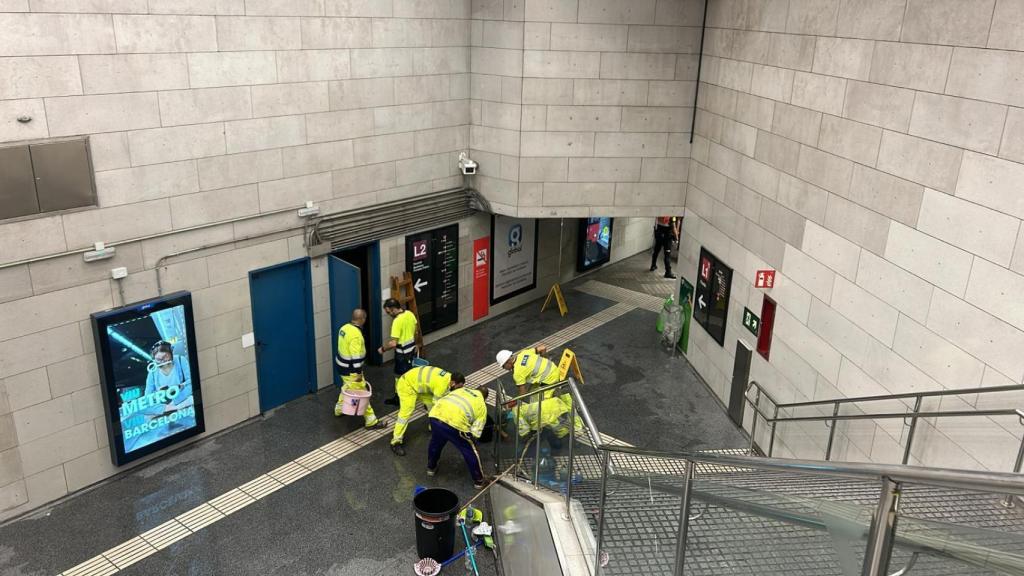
(751, 321)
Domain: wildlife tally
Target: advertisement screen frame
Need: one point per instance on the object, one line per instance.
(581, 244)
(494, 270)
(108, 383)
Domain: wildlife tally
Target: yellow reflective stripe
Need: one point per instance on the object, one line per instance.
(462, 403)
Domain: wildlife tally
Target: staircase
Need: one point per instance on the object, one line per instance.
(749, 515)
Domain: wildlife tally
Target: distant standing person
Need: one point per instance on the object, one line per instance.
(403, 341)
(665, 232)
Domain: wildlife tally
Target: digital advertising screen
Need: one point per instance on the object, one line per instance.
(149, 375)
(595, 243)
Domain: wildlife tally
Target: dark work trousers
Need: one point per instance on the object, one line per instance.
(441, 434)
(403, 363)
(662, 241)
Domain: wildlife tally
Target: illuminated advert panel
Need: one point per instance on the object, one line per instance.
(149, 375)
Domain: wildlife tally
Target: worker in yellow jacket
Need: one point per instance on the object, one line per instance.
(553, 422)
(350, 360)
(530, 369)
(402, 341)
(459, 417)
(421, 385)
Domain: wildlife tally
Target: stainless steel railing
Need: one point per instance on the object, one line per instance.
(913, 415)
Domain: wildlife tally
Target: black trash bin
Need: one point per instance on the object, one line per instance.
(435, 523)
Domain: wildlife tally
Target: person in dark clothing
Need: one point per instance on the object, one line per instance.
(665, 233)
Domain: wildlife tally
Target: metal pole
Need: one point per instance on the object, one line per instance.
(572, 442)
(883, 530)
(1008, 501)
(831, 433)
(515, 444)
(601, 512)
(499, 424)
(771, 441)
(910, 433)
(753, 426)
(536, 453)
(684, 519)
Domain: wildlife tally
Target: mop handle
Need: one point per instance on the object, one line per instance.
(469, 550)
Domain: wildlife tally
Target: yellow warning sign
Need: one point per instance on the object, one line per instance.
(568, 362)
(559, 298)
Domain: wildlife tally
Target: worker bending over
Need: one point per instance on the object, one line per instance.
(459, 417)
(530, 369)
(350, 360)
(402, 341)
(550, 421)
(421, 385)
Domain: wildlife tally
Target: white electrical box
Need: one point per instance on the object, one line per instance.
(118, 273)
(248, 340)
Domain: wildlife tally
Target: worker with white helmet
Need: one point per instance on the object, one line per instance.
(530, 369)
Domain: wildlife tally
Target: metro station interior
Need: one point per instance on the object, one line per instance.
(511, 287)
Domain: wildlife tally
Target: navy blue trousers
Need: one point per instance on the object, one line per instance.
(441, 434)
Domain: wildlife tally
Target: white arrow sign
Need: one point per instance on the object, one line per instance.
(420, 283)
(701, 302)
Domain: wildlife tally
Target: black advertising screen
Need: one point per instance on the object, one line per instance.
(432, 257)
(595, 243)
(711, 306)
(149, 375)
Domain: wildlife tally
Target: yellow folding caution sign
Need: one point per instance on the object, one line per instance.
(568, 362)
(559, 298)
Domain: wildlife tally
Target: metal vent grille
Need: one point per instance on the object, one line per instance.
(362, 225)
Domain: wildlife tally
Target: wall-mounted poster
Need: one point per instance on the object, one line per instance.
(513, 256)
(714, 283)
(595, 243)
(149, 375)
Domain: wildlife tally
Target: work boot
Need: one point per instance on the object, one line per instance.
(653, 268)
(482, 483)
(398, 449)
(393, 401)
(670, 275)
(431, 472)
(378, 425)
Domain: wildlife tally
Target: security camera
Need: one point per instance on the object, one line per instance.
(467, 166)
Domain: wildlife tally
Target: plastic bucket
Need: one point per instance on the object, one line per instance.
(356, 401)
(418, 362)
(435, 523)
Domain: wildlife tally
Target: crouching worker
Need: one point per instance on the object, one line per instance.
(459, 417)
(553, 422)
(350, 360)
(421, 385)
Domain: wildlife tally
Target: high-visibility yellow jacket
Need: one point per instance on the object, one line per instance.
(554, 414)
(351, 350)
(424, 380)
(403, 330)
(532, 368)
(463, 409)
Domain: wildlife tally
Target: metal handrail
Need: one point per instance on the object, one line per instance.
(973, 480)
(882, 397)
(913, 415)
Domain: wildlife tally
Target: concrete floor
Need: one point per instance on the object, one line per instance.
(354, 517)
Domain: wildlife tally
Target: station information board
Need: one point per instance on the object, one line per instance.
(432, 257)
(714, 283)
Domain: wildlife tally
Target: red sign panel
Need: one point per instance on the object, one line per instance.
(705, 269)
(764, 279)
(481, 277)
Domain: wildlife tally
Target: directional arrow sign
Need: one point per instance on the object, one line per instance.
(420, 283)
(701, 302)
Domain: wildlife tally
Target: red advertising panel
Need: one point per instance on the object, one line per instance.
(481, 276)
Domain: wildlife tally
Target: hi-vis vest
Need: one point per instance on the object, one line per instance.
(403, 330)
(553, 413)
(532, 368)
(351, 350)
(425, 380)
(462, 409)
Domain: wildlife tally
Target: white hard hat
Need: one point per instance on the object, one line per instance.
(503, 357)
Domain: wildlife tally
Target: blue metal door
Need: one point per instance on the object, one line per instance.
(344, 282)
(282, 320)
